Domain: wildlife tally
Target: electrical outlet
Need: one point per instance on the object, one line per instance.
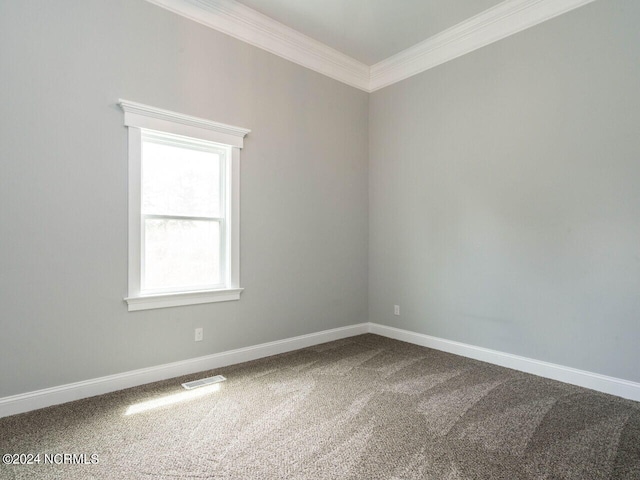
(396, 309)
(199, 334)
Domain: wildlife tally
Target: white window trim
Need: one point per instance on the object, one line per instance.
(138, 116)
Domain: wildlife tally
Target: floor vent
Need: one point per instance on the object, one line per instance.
(203, 381)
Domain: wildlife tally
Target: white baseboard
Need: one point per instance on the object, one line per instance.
(74, 391)
(594, 381)
(26, 402)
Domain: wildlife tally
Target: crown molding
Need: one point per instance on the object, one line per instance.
(250, 26)
(496, 23)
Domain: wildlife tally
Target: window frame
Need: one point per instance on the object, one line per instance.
(152, 136)
(138, 117)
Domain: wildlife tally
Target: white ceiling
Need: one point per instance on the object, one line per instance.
(370, 30)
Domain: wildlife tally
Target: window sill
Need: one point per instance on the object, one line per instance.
(164, 300)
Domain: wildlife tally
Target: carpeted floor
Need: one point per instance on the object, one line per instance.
(366, 407)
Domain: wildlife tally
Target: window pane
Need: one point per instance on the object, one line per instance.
(177, 180)
(181, 253)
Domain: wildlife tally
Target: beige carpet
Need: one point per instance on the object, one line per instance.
(362, 408)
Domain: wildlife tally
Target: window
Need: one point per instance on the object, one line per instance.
(183, 208)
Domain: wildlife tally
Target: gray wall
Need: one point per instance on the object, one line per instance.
(503, 209)
(505, 195)
(63, 189)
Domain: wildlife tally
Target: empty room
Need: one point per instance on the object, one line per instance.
(320, 239)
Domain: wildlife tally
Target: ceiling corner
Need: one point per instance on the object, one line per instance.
(241, 22)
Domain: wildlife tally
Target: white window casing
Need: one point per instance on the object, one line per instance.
(142, 118)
